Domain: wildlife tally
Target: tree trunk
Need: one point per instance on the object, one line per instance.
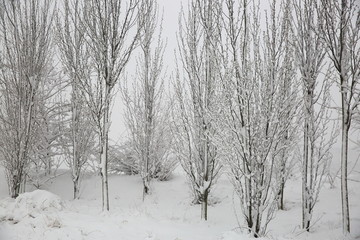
(75, 159)
(257, 222)
(281, 194)
(148, 121)
(15, 183)
(248, 199)
(145, 187)
(282, 183)
(76, 187)
(205, 192)
(104, 178)
(104, 151)
(204, 205)
(344, 187)
(23, 185)
(307, 221)
(305, 175)
(48, 163)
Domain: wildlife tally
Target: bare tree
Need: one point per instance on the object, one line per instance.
(47, 127)
(25, 29)
(146, 114)
(45, 152)
(111, 38)
(281, 69)
(259, 107)
(78, 138)
(341, 33)
(198, 41)
(78, 144)
(310, 53)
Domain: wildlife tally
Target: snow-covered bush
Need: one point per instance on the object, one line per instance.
(122, 160)
(164, 168)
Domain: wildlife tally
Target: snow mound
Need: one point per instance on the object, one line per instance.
(31, 205)
(39, 200)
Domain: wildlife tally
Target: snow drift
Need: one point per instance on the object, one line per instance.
(31, 205)
(39, 200)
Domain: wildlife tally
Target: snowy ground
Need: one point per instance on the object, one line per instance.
(165, 215)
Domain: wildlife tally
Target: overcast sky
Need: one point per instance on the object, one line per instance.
(171, 10)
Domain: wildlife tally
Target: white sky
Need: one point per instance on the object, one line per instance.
(171, 10)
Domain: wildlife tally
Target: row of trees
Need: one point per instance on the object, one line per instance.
(55, 104)
(248, 92)
(249, 88)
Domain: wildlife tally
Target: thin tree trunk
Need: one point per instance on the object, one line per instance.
(148, 112)
(204, 202)
(204, 205)
(258, 224)
(304, 175)
(48, 159)
(104, 151)
(76, 187)
(104, 178)
(248, 199)
(344, 187)
(282, 182)
(281, 193)
(307, 220)
(23, 188)
(74, 140)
